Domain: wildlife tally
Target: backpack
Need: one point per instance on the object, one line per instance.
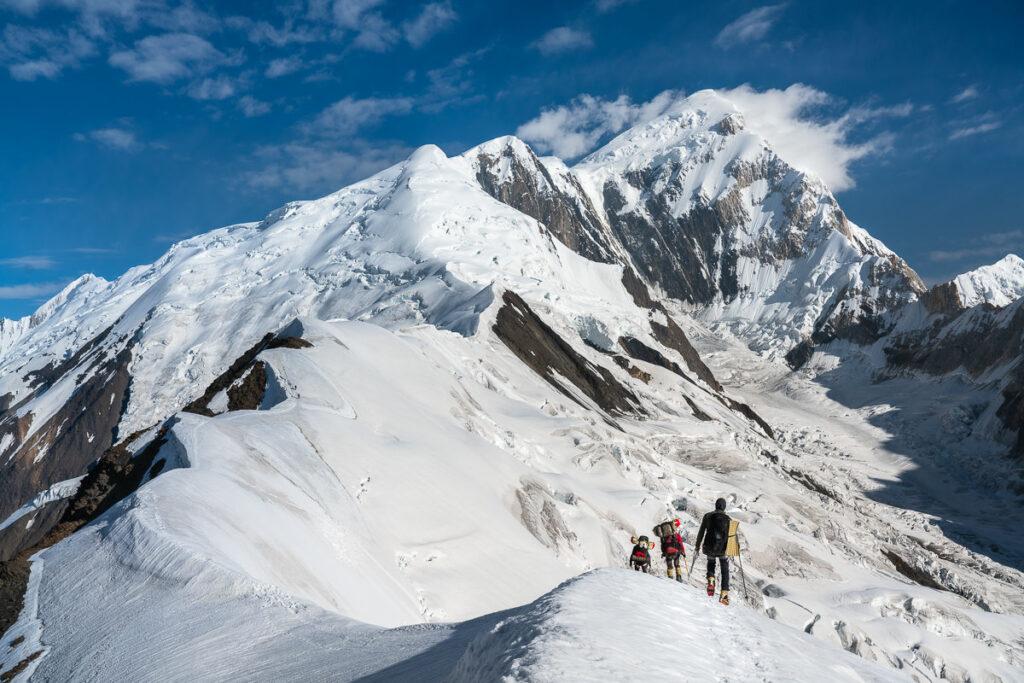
(665, 529)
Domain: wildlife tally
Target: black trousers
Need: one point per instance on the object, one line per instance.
(724, 564)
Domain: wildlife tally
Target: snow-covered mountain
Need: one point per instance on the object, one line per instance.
(439, 392)
(999, 284)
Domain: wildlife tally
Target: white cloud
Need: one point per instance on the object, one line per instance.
(435, 17)
(572, 130)
(115, 138)
(168, 57)
(449, 85)
(349, 114)
(33, 290)
(215, 88)
(816, 146)
(33, 53)
(265, 33)
(373, 31)
(563, 39)
(968, 93)
(28, 262)
(752, 26)
(283, 66)
(252, 107)
(820, 147)
(985, 123)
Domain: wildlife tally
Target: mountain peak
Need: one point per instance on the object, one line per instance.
(998, 284)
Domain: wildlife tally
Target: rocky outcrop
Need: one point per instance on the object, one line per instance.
(510, 172)
(551, 357)
(77, 433)
(117, 474)
(245, 380)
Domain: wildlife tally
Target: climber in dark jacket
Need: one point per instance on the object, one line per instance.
(712, 539)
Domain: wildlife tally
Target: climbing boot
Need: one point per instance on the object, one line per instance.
(711, 586)
(724, 598)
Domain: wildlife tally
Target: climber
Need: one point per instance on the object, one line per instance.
(640, 558)
(672, 548)
(712, 539)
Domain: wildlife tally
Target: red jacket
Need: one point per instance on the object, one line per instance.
(671, 545)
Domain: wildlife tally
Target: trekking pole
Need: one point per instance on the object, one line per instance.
(743, 574)
(690, 570)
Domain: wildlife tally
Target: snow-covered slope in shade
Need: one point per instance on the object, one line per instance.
(998, 284)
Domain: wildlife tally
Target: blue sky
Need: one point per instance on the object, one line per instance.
(128, 124)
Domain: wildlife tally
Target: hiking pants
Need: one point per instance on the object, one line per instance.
(724, 563)
(672, 562)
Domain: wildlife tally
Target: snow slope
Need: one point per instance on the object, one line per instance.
(998, 284)
(754, 243)
(605, 625)
(412, 468)
(421, 476)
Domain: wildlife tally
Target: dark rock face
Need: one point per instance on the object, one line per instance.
(672, 336)
(748, 412)
(77, 434)
(640, 351)
(798, 356)
(943, 299)
(669, 334)
(114, 477)
(671, 252)
(977, 340)
(546, 353)
(573, 221)
(245, 379)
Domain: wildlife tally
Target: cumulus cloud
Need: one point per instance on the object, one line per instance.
(215, 88)
(783, 117)
(985, 123)
(283, 66)
(348, 115)
(167, 57)
(289, 33)
(751, 27)
(115, 138)
(252, 107)
(812, 145)
(33, 53)
(563, 39)
(435, 17)
(28, 262)
(372, 31)
(968, 93)
(571, 130)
